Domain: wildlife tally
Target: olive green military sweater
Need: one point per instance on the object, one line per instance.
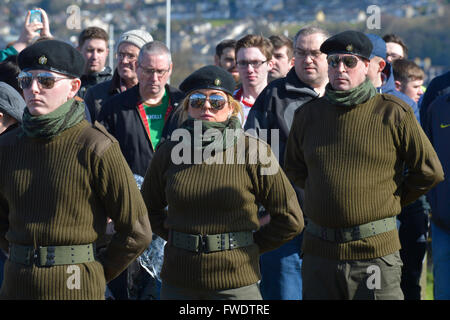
(212, 198)
(60, 191)
(350, 162)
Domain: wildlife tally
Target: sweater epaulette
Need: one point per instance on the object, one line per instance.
(96, 137)
(396, 100)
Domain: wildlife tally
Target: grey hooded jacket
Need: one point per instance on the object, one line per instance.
(274, 109)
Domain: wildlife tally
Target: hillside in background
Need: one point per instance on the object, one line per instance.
(198, 25)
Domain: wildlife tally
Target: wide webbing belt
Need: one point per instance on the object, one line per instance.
(211, 242)
(51, 255)
(353, 233)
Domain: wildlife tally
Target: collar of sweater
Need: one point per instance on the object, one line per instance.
(352, 97)
(52, 124)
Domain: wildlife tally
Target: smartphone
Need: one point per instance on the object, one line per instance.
(36, 16)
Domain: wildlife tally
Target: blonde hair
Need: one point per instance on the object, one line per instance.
(182, 112)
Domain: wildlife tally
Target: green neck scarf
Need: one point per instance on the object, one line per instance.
(52, 124)
(201, 140)
(357, 95)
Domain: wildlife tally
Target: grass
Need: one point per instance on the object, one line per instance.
(429, 290)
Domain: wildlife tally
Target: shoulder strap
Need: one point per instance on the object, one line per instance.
(96, 138)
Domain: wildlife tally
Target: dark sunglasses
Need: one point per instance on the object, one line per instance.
(46, 80)
(197, 100)
(348, 61)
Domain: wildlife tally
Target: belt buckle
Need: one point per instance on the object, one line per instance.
(48, 260)
(202, 243)
(324, 233)
(356, 233)
(34, 259)
(339, 235)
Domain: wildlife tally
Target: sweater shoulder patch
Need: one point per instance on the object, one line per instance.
(96, 138)
(392, 109)
(397, 101)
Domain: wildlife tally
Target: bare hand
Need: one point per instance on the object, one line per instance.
(29, 32)
(45, 32)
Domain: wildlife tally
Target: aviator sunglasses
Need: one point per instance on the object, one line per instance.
(197, 100)
(45, 79)
(348, 61)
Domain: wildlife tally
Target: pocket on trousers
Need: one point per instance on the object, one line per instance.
(392, 259)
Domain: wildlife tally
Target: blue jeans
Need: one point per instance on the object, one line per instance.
(440, 246)
(281, 277)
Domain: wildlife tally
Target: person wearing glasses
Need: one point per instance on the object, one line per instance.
(396, 48)
(63, 177)
(131, 111)
(140, 117)
(137, 118)
(273, 112)
(348, 150)
(254, 61)
(211, 180)
(124, 77)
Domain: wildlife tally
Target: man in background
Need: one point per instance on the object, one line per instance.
(408, 78)
(124, 77)
(93, 45)
(395, 48)
(283, 56)
(225, 57)
(254, 62)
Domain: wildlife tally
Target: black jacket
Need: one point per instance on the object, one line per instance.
(120, 116)
(275, 107)
(89, 80)
(97, 95)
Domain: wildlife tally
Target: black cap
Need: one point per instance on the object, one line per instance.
(209, 77)
(52, 55)
(349, 42)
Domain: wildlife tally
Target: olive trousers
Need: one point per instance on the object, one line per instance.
(373, 279)
(169, 292)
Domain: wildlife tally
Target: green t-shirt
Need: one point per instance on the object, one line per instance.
(155, 117)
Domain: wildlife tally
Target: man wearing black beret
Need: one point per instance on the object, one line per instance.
(62, 178)
(348, 150)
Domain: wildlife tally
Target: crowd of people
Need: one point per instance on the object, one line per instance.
(304, 168)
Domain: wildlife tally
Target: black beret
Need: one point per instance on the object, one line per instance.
(209, 77)
(351, 42)
(52, 55)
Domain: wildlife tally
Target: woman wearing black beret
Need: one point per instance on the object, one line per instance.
(202, 192)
